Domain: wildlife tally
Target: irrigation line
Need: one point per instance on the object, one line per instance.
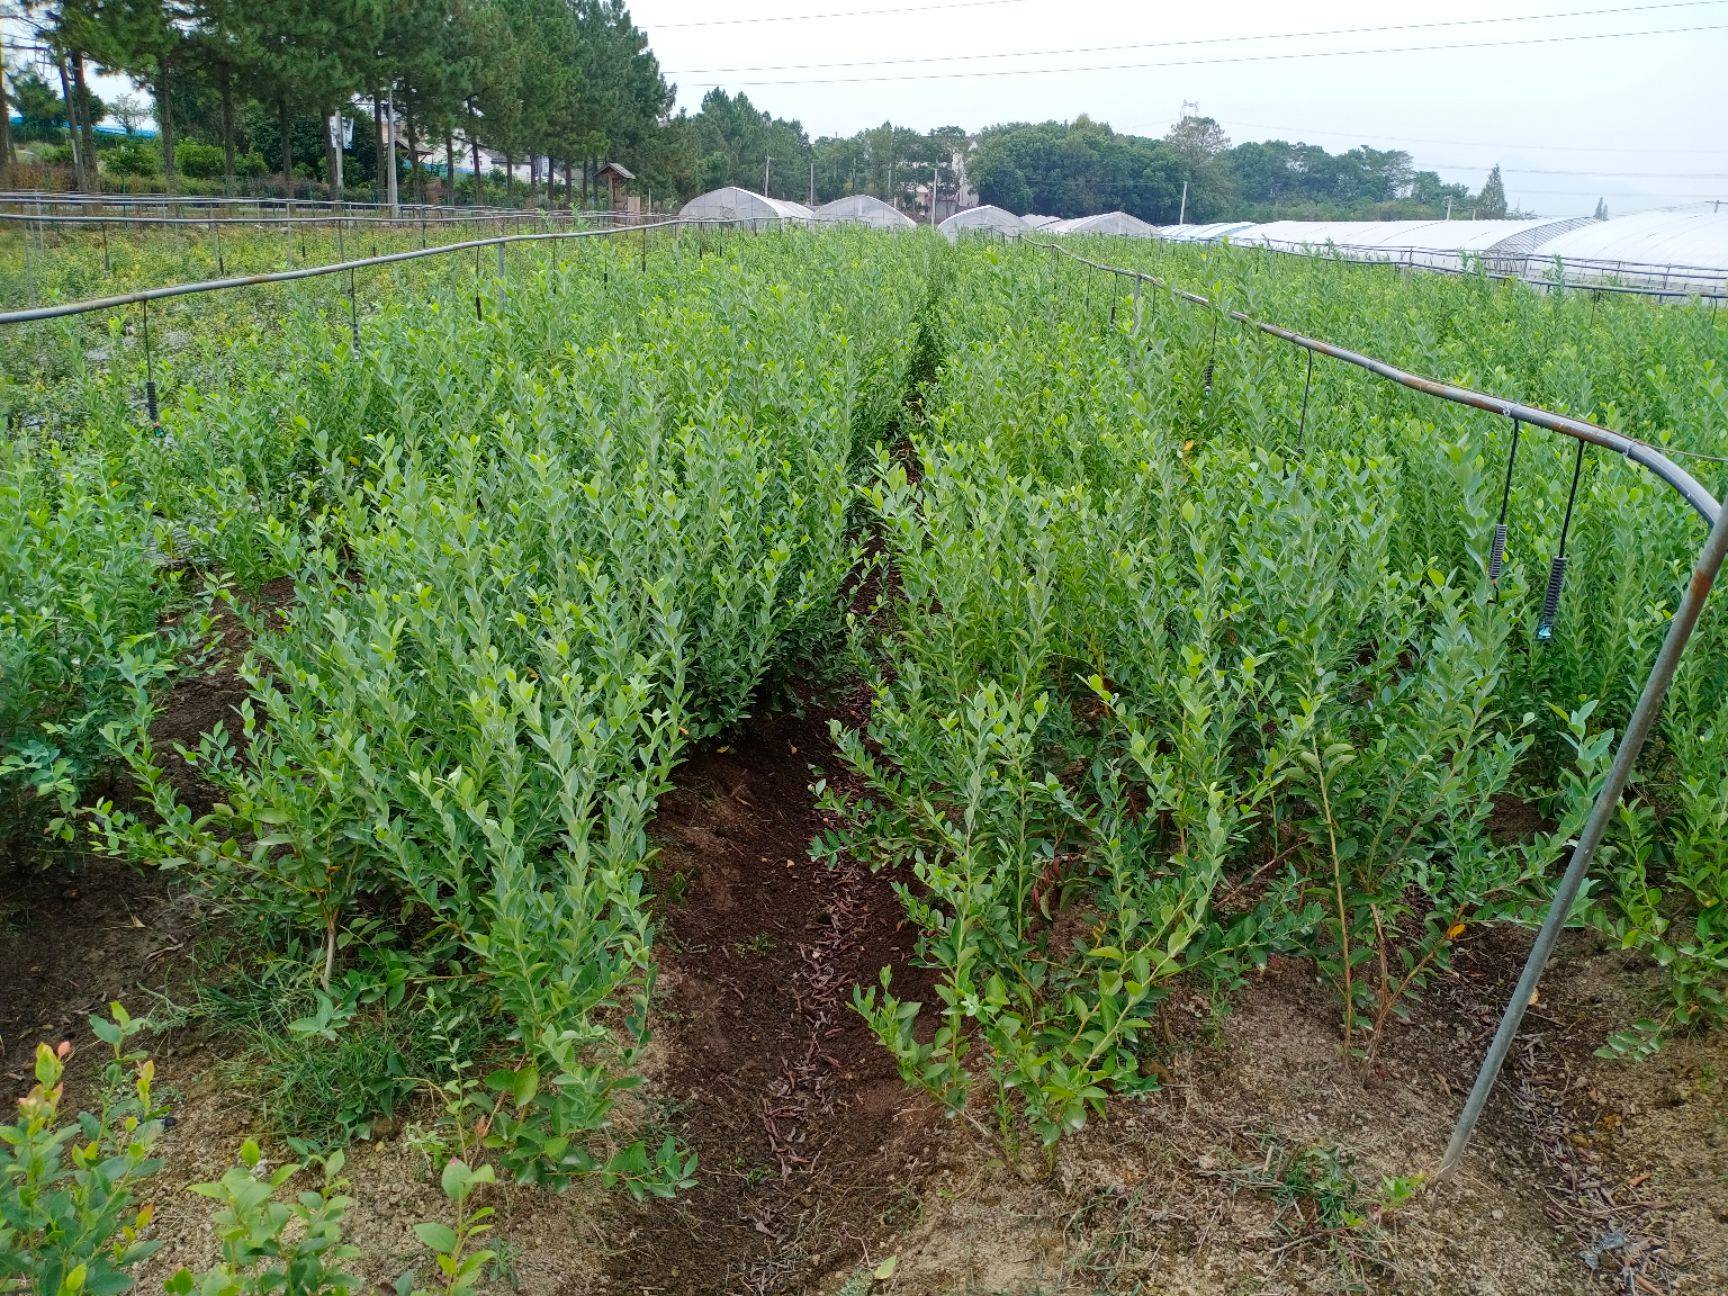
(345, 206)
(1639, 452)
(310, 272)
(34, 220)
(1713, 279)
(1705, 568)
(1467, 260)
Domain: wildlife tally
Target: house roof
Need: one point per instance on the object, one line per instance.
(617, 169)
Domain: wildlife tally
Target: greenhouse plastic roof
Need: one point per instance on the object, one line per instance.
(1039, 222)
(1682, 248)
(1428, 235)
(735, 204)
(862, 209)
(1201, 233)
(1442, 244)
(981, 219)
(1116, 222)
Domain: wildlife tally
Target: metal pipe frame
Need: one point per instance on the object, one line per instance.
(1714, 279)
(1365, 254)
(1639, 452)
(321, 218)
(71, 198)
(119, 300)
(1706, 568)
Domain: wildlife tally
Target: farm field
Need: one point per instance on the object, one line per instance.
(829, 762)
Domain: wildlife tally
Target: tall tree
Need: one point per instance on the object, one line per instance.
(147, 39)
(306, 57)
(7, 155)
(1199, 144)
(1491, 202)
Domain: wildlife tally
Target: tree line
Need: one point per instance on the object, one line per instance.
(1072, 169)
(559, 83)
(241, 88)
(1195, 173)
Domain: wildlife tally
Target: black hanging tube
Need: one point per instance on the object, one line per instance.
(1211, 355)
(1307, 386)
(1497, 547)
(1557, 571)
(353, 316)
(479, 314)
(150, 375)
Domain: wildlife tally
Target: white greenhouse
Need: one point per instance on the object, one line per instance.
(1116, 222)
(1679, 249)
(1202, 233)
(983, 220)
(735, 206)
(1501, 245)
(862, 209)
(1040, 222)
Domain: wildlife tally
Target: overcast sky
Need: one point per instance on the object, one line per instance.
(1637, 119)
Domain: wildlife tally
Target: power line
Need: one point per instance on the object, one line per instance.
(1593, 175)
(1599, 175)
(1207, 40)
(818, 17)
(1238, 58)
(1493, 144)
(1521, 191)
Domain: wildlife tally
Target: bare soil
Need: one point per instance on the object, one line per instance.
(1587, 1175)
(817, 1164)
(805, 1133)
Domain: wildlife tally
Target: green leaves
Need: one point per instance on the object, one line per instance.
(70, 1221)
(438, 1237)
(1164, 696)
(528, 569)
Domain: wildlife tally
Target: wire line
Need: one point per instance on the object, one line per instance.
(1237, 58)
(1206, 40)
(844, 13)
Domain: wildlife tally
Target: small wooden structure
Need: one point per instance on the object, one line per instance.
(616, 177)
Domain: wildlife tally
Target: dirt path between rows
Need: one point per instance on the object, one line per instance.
(806, 1135)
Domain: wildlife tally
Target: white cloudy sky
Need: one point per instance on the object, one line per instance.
(1637, 119)
(1559, 92)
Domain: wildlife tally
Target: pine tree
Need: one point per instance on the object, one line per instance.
(1491, 203)
(1601, 209)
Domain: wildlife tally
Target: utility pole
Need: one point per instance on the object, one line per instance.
(766, 163)
(1448, 209)
(812, 183)
(390, 148)
(1190, 108)
(333, 124)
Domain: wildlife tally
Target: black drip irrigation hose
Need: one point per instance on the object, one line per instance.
(1497, 546)
(1557, 569)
